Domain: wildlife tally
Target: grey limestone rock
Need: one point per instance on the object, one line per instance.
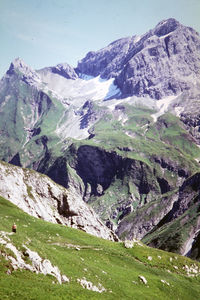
(64, 70)
(19, 67)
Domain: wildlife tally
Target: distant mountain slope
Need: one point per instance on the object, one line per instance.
(171, 223)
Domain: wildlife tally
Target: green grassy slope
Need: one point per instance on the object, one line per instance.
(99, 261)
(28, 120)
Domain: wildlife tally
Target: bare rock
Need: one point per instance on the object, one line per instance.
(90, 286)
(128, 244)
(64, 70)
(38, 265)
(143, 279)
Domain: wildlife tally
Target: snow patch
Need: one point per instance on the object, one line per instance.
(164, 36)
(86, 77)
(178, 110)
(87, 87)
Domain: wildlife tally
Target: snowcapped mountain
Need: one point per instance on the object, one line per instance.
(122, 128)
(163, 62)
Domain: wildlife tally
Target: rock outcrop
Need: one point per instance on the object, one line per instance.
(40, 197)
(64, 70)
(139, 223)
(99, 174)
(38, 265)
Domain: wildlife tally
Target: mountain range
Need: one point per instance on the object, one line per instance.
(120, 132)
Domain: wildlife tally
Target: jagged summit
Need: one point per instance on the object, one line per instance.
(19, 63)
(162, 62)
(18, 66)
(106, 62)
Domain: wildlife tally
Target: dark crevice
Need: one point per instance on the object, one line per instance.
(166, 40)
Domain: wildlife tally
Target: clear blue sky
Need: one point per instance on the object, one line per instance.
(48, 32)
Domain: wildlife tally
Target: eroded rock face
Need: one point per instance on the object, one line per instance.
(115, 186)
(145, 219)
(108, 61)
(40, 197)
(162, 62)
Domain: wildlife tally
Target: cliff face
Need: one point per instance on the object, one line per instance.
(40, 197)
(100, 168)
(99, 175)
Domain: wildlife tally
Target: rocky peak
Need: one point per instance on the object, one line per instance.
(19, 67)
(163, 62)
(63, 69)
(107, 61)
(166, 26)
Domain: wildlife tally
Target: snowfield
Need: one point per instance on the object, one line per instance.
(75, 92)
(87, 87)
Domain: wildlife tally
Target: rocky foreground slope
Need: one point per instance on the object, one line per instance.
(40, 197)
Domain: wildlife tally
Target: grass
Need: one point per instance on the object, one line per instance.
(98, 260)
(146, 140)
